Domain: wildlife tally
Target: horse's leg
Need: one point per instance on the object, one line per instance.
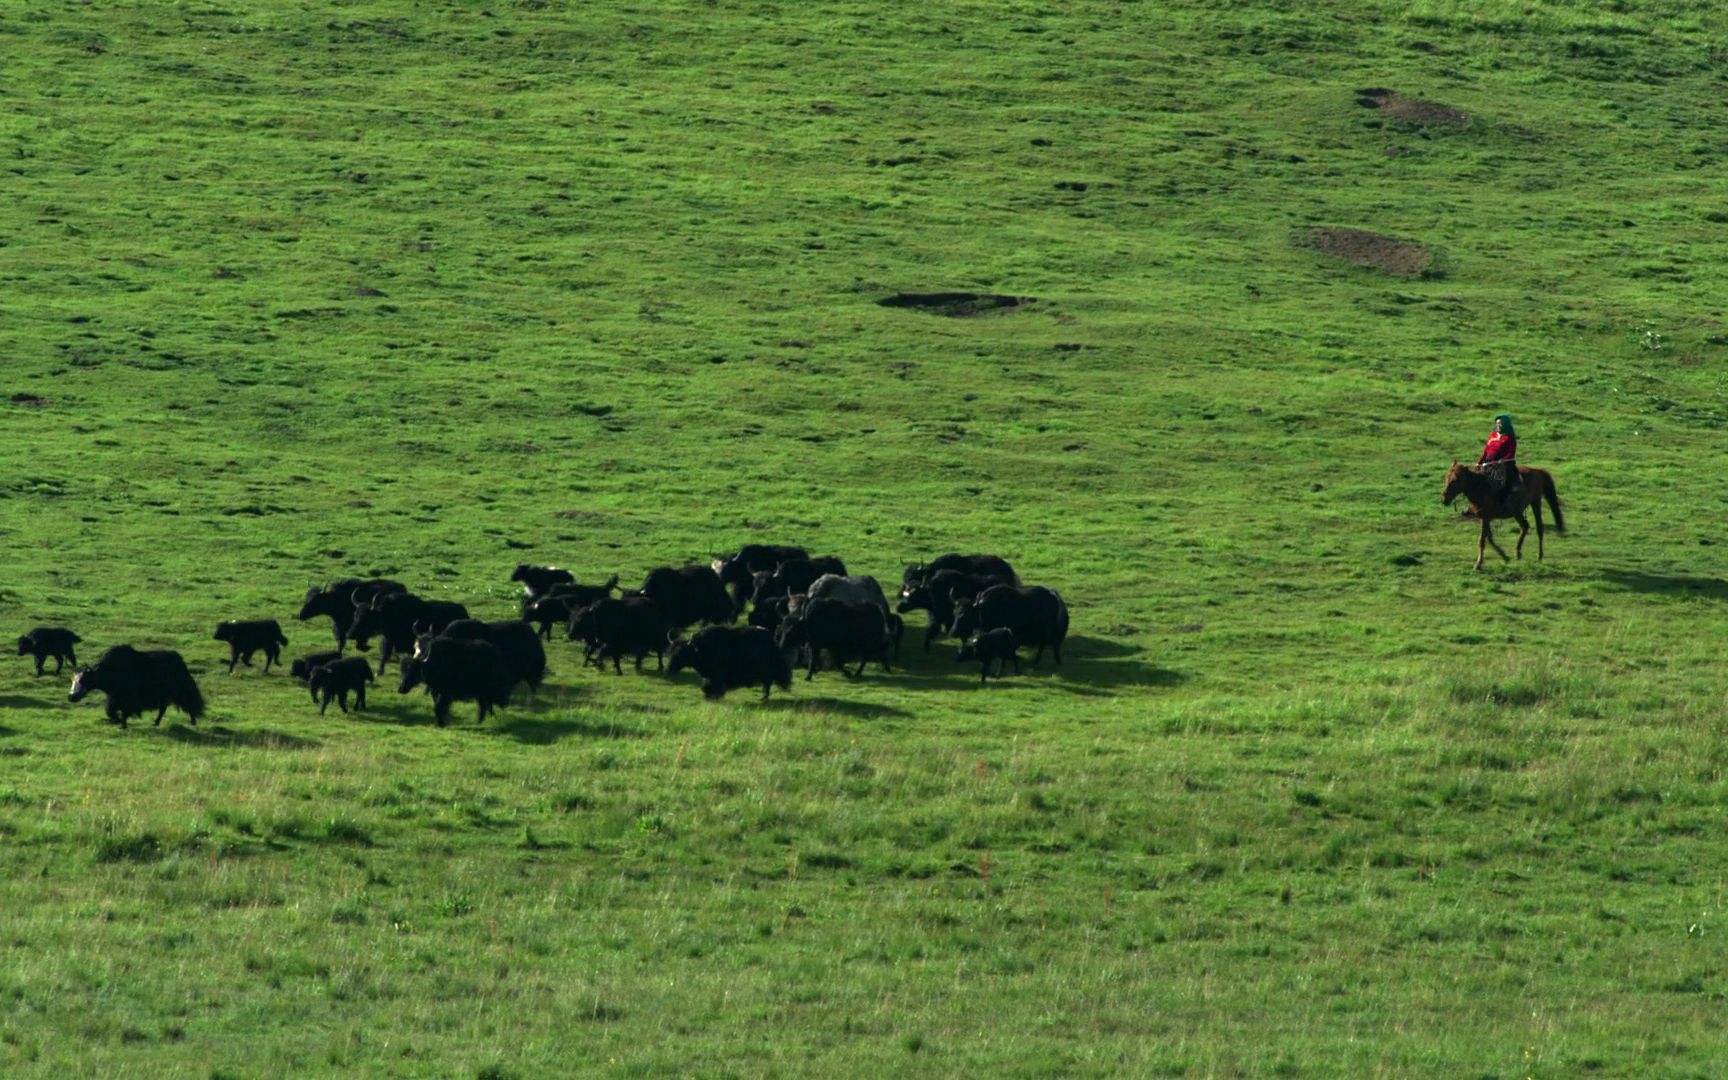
(1488, 534)
(1536, 509)
(1523, 531)
(1481, 543)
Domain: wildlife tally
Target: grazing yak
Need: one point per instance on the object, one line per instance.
(337, 679)
(338, 601)
(1036, 615)
(689, 595)
(936, 594)
(392, 617)
(998, 646)
(537, 580)
(46, 641)
(622, 626)
(137, 682)
(515, 640)
(248, 636)
(456, 669)
(303, 667)
(847, 631)
(730, 658)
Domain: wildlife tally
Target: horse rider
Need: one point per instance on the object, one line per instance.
(1499, 460)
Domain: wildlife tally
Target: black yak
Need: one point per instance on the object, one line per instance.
(248, 636)
(46, 641)
(337, 679)
(137, 682)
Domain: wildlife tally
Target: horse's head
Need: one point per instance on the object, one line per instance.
(1454, 483)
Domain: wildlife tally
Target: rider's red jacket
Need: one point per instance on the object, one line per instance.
(1500, 448)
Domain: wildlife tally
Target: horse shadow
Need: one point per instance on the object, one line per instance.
(219, 735)
(1639, 581)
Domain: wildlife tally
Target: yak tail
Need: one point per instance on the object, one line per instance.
(190, 698)
(1554, 506)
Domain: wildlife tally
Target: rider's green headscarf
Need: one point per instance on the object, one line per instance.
(1507, 419)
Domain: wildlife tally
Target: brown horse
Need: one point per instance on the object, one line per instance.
(1486, 504)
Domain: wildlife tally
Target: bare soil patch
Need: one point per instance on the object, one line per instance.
(1359, 247)
(955, 305)
(29, 400)
(1412, 112)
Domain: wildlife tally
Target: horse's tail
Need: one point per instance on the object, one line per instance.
(1554, 505)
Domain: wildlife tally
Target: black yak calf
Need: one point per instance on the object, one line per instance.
(563, 601)
(337, 679)
(302, 668)
(732, 657)
(769, 613)
(46, 641)
(992, 646)
(458, 670)
(249, 636)
(794, 576)
(738, 570)
(137, 682)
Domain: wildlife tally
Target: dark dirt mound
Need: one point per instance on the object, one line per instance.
(1412, 112)
(955, 305)
(1400, 258)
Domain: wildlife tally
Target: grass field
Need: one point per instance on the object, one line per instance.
(301, 291)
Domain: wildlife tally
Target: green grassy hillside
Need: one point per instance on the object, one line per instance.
(294, 292)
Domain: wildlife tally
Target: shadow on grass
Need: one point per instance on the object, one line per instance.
(13, 701)
(862, 709)
(399, 710)
(218, 735)
(1080, 647)
(538, 731)
(1668, 584)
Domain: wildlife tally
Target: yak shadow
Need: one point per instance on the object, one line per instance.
(218, 735)
(864, 710)
(1080, 646)
(14, 701)
(1112, 675)
(1668, 584)
(394, 709)
(534, 731)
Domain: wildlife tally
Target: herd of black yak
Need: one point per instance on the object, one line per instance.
(795, 608)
